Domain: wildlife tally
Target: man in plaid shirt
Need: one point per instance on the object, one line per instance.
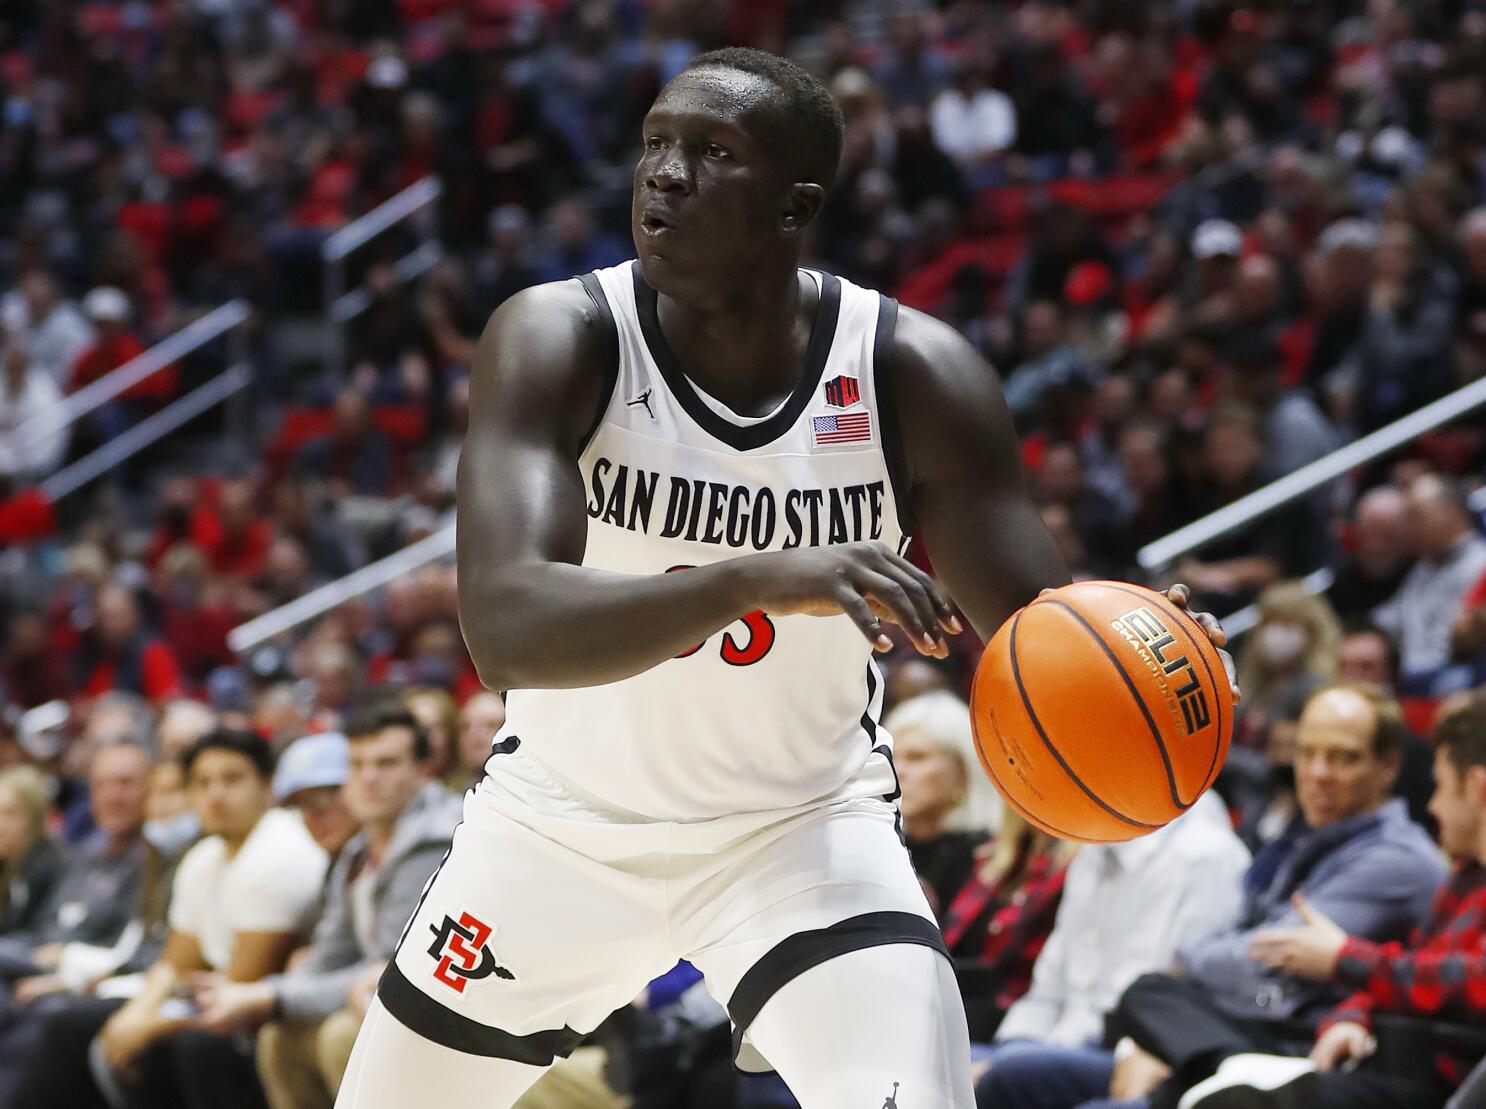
(1440, 972)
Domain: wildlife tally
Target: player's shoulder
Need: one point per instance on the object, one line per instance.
(555, 315)
(941, 381)
(926, 350)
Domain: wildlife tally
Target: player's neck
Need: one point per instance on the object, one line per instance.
(745, 342)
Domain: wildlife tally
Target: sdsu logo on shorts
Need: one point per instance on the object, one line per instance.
(463, 952)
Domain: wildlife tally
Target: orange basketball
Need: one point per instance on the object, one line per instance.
(1101, 711)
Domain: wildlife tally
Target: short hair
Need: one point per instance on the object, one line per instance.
(1390, 647)
(1462, 736)
(810, 127)
(1390, 733)
(249, 745)
(389, 713)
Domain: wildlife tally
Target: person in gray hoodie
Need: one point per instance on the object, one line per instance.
(309, 1014)
(1359, 860)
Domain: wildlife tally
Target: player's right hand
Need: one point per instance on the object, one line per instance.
(866, 580)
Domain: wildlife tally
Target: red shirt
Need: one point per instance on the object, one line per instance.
(160, 675)
(111, 353)
(1442, 969)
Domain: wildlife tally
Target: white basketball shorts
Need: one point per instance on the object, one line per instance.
(552, 910)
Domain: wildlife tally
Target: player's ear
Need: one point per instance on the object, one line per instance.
(801, 206)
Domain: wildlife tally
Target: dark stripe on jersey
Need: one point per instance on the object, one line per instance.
(887, 411)
(795, 954)
(750, 436)
(610, 368)
(425, 1016)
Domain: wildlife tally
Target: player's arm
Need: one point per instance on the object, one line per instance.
(532, 616)
(964, 475)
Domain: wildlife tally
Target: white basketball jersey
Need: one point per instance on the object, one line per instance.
(771, 712)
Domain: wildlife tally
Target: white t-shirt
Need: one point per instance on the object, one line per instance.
(272, 884)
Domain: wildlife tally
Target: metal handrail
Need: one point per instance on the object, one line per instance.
(389, 213)
(149, 430)
(44, 425)
(1162, 552)
(372, 576)
(340, 305)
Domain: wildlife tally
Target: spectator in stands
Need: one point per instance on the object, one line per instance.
(1295, 430)
(947, 808)
(506, 266)
(113, 345)
(1368, 656)
(54, 333)
(438, 714)
(1339, 283)
(1050, 366)
(310, 1013)
(1292, 649)
(1126, 908)
(76, 933)
(242, 897)
(1361, 862)
(1470, 308)
(1403, 351)
(119, 654)
(973, 123)
(1451, 556)
(997, 924)
(25, 392)
(1438, 973)
(1230, 570)
(1377, 556)
(913, 68)
(480, 717)
(31, 671)
(355, 458)
(30, 863)
(309, 778)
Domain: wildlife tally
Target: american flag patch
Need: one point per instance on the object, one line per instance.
(849, 427)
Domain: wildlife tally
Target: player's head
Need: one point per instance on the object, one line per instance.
(740, 150)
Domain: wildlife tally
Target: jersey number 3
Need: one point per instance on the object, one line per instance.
(760, 638)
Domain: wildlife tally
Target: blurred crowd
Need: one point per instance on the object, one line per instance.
(1204, 242)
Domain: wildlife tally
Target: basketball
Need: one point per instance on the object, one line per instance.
(1101, 711)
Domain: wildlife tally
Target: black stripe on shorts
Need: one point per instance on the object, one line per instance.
(425, 1016)
(794, 955)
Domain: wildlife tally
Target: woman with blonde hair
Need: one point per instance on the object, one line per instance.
(1292, 649)
(948, 805)
(30, 863)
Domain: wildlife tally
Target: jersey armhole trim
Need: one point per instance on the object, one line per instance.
(887, 410)
(610, 370)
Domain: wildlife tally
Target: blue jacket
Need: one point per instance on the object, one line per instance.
(1375, 875)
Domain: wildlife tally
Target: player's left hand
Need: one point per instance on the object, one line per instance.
(1181, 596)
(1309, 950)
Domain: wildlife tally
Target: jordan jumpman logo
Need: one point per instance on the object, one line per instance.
(643, 398)
(892, 1099)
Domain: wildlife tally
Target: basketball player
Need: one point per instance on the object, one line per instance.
(682, 498)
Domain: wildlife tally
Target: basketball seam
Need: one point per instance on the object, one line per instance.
(1212, 768)
(1016, 674)
(1145, 711)
(1026, 813)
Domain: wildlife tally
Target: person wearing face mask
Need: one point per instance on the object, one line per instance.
(1291, 650)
